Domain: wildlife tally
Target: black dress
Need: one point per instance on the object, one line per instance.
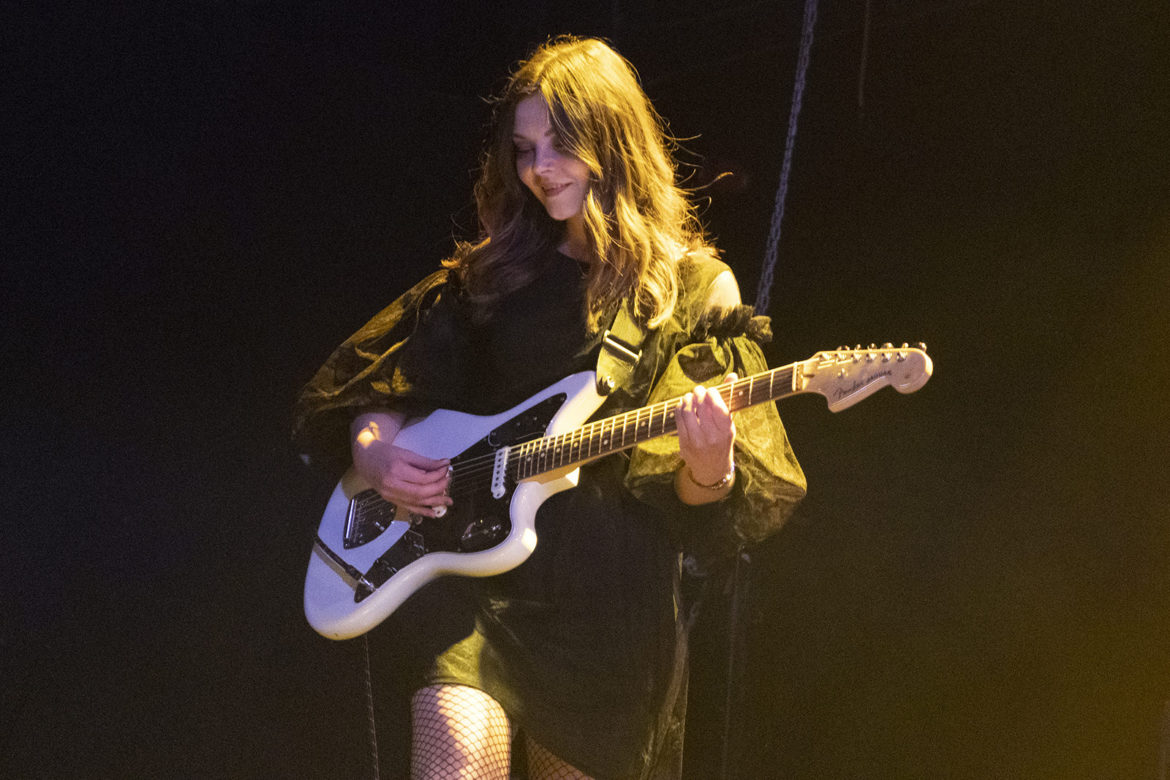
(584, 644)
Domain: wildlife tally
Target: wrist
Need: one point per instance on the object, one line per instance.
(722, 483)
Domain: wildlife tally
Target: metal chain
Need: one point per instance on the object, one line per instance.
(373, 726)
(806, 41)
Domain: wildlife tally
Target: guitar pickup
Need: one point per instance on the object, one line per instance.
(367, 517)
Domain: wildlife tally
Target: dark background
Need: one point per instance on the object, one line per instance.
(206, 197)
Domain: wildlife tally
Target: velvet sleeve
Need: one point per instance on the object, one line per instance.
(769, 480)
(405, 358)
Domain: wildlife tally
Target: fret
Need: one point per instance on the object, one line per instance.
(524, 461)
(625, 430)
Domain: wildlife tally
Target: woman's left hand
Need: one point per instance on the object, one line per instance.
(706, 434)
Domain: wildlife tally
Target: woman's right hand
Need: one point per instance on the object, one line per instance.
(416, 483)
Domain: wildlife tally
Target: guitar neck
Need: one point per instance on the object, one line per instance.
(626, 430)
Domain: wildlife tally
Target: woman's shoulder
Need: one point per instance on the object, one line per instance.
(701, 265)
(702, 277)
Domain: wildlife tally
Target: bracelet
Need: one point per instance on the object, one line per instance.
(727, 479)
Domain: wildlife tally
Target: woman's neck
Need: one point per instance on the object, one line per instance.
(574, 243)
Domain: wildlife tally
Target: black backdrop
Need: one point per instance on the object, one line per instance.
(205, 197)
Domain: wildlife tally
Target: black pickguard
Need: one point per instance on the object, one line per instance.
(475, 521)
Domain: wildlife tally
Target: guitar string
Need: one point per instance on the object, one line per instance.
(553, 446)
(469, 475)
(473, 474)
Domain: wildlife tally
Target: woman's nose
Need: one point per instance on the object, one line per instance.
(544, 160)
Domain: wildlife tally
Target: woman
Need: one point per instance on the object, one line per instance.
(581, 649)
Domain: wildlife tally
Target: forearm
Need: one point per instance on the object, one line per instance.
(373, 429)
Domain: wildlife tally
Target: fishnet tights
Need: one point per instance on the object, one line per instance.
(461, 732)
(458, 732)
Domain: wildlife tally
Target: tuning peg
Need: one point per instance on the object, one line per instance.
(921, 346)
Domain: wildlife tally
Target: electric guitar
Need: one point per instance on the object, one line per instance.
(369, 556)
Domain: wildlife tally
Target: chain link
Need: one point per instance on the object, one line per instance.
(763, 293)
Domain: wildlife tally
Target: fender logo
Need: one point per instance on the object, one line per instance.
(860, 384)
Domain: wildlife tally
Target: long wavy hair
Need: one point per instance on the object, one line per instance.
(639, 223)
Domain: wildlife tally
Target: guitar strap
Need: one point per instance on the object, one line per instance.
(621, 349)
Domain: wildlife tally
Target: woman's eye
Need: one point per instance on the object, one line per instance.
(523, 150)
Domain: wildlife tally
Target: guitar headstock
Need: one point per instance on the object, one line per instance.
(845, 376)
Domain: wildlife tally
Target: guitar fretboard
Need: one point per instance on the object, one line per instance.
(623, 431)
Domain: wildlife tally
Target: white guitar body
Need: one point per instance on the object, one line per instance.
(368, 559)
(330, 591)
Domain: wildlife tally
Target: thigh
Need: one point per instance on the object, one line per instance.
(459, 731)
(544, 765)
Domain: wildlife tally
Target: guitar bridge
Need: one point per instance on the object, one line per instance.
(366, 518)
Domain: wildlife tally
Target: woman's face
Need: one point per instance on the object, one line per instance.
(559, 180)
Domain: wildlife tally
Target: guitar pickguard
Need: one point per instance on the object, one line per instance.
(476, 521)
